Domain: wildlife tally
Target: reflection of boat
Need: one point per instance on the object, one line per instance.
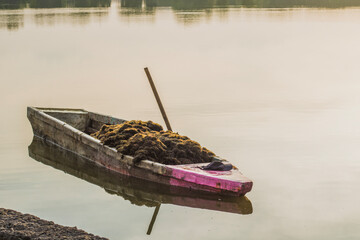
(69, 127)
(135, 190)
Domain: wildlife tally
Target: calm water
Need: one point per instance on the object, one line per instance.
(272, 86)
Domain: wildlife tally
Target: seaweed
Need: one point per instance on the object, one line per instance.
(147, 140)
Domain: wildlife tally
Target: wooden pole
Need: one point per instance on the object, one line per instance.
(163, 113)
(162, 110)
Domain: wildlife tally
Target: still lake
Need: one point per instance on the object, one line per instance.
(272, 86)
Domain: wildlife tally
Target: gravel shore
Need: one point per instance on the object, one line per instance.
(15, 225)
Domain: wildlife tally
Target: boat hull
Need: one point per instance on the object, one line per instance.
(137, 191)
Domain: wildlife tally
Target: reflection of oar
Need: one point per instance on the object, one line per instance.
(153, 219)
(163, 113)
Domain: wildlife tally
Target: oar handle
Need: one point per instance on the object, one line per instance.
(162, 110)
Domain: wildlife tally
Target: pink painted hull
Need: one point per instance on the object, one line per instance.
(220, 181)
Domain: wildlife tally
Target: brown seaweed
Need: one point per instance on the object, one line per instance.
(148, 140)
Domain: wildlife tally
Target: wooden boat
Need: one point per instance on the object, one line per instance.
(137, 191)
(70, 129)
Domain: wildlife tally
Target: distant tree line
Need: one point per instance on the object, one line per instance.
(17, 4)
(180, 4)
(203, 4)
(12, 4)
(303, 3)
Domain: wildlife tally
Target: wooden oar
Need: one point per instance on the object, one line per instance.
(162, 110)
(163, 113)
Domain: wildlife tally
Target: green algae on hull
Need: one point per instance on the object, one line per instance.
(147, 140)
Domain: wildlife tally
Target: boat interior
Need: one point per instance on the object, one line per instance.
(88, 122)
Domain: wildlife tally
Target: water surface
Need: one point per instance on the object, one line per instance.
(270, 85)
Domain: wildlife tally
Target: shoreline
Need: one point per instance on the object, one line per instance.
(16, 225)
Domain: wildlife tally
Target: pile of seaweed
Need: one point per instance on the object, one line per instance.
(148, 140)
